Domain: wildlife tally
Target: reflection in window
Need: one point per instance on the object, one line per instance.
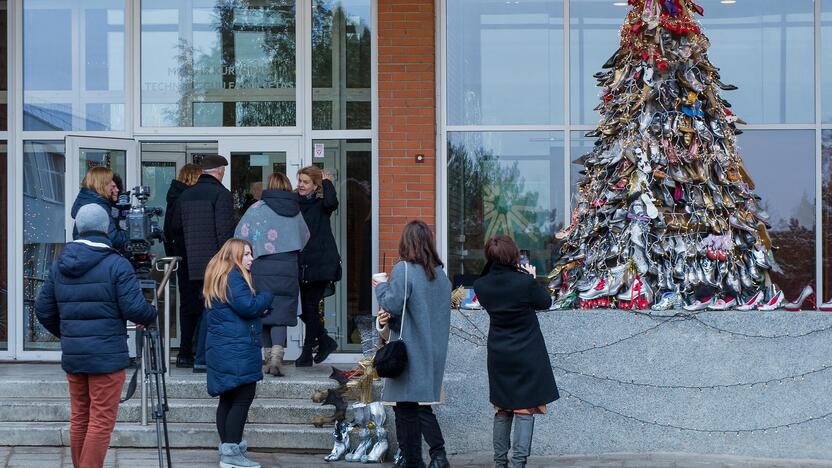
(503, 183)
(73, 65)
(826, 213)
(250, 174)
(766, 47)
(218, 63)
(505, 62)
(43, 230)
(594, 37)
(782, 165)
(350, 163)
(826, 60)
(341, 64)
(4, 257)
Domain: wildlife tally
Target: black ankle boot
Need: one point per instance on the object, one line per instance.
(305, 359)
(440, 460)
(326, 345)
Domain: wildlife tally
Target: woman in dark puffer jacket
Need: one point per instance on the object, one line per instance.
(233, 311)
(277, 232)
(99, 188)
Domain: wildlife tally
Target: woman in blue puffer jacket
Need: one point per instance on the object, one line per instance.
(99, 188)
(233, 344)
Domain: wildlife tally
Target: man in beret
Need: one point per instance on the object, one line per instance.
(207, 221)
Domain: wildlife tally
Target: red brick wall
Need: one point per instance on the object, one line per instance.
(407, 119)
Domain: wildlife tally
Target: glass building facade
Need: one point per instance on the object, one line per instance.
(518, 95)
(147, 86)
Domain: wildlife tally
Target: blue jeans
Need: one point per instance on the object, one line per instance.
(199, 360)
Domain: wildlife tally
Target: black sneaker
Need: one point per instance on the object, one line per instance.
(325, 348)
(184, 361)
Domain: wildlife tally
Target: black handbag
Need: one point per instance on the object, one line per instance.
(391, 360)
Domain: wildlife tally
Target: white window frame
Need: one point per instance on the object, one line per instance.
(568, 128)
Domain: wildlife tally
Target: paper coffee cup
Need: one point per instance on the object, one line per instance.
(380, 277)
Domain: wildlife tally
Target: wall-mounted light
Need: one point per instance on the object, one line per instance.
(728, 2)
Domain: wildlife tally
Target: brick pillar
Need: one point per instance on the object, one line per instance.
(407, 119)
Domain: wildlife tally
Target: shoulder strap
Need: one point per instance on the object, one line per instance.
(404, 307)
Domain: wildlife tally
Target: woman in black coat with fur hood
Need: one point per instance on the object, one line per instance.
(520, 378)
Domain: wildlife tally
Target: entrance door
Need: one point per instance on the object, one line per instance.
(252, 161)
(44, 243)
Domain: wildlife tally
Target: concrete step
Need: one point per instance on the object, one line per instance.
(178, 387)
(263, 410)
(182, 435)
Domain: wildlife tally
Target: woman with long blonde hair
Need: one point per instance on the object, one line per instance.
(99, 188)
(233, 311)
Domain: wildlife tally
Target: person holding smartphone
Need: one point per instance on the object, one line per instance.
(520, 378)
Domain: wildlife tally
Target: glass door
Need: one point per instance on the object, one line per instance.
(252, 161)
(48, 226)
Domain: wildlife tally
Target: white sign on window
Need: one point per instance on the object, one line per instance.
(319, 150)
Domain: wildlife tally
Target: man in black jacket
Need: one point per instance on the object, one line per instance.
(207, 217)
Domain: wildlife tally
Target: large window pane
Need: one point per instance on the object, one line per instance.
(766, 47)
(505, 62)
(341, 70)
(826, 59)
(782, 165)
(43, 230)
(4, 69)
(4, 257)
(503, 183)
(73, 65)
(826, 205)
(594, 36)
(208, 63)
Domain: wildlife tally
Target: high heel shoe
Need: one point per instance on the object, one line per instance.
(808, 294)
(723, 304)
(752, 302)
(826, 306)
(775, 302)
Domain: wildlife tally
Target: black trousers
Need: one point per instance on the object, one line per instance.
(190, 309)
(232, 412)
(414, 421)
(310, 300)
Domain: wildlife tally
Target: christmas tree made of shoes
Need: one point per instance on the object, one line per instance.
(665, 216)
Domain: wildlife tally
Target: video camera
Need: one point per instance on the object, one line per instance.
(142, 228)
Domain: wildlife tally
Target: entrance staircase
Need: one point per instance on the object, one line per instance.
(35, 410)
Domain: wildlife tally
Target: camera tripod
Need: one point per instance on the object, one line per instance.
(153, 364)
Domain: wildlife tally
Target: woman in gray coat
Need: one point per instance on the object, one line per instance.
(422, 316)
(276, 230)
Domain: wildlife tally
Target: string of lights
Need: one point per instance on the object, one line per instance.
(737, 431)
(751, 335)
(762, 383)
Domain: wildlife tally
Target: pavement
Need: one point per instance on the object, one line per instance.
(59, 457)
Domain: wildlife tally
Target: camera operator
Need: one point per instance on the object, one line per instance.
(98, 188)
(207, 221)
(190, 299)
(89, 294)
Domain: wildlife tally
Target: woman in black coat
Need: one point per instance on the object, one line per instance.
(190, 297)
(320, 263)
(520, 378)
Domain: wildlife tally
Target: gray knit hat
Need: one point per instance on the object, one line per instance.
(92, 217)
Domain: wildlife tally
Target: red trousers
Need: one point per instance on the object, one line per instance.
(94, 399)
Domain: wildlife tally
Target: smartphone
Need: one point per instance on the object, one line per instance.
(524, 257)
